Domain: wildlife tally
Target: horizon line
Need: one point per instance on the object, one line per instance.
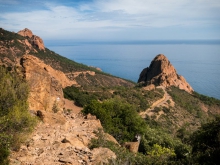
(68, 42)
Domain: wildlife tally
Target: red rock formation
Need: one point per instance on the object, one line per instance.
(45, 84)
(162, 73)
(35, 40)
(26, 33)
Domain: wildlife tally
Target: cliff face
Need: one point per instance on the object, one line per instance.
(162, 73)
(45, 90)
(45, 84)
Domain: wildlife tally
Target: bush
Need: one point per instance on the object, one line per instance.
(207, 100)
(206, 143)
(81, 98)
(15, 120)
(118, 118)
(137, 97)
(161, 153)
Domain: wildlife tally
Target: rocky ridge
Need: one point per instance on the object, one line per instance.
(162, 73)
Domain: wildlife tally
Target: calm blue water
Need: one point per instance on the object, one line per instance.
(198, 63)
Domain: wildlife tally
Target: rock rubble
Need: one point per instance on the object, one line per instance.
(62, 139)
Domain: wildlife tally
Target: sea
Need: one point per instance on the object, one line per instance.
(197, 61)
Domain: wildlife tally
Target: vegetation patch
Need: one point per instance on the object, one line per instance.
(15, 119)
(207, 100)
(140, 99)
(206, 143)
(121, 121)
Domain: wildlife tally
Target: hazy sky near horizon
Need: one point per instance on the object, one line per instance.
(113, 20)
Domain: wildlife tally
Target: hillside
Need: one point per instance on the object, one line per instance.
(85, 116)
(14, 46)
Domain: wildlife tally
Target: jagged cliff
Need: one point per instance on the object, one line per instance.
(162, 73)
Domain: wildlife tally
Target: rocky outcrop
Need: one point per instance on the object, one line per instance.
(35, 40)
(162, 73)
(26, 33)
(45, 84)
(38, 42)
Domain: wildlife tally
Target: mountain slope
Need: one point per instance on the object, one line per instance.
(172, 114)
(14, 46)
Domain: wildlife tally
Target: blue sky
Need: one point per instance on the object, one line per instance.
(113, 20)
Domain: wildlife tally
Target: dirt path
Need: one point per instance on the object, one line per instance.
(62, 139)
(159, 103)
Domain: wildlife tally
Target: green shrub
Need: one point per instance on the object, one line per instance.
(134, 96)
(206, 143)
(118, 118)
(15, 120)
(81, 98)
(162, 153)
(206, 99)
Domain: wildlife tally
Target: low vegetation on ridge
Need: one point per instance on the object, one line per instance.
(118, 109)
(137, 97)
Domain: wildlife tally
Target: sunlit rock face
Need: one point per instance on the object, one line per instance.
(162, 73)
(35, 40)
(45, 90)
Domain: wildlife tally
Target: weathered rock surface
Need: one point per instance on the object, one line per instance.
(162, 73)
(62, 139)
(35, 40)
(45, 84)
(26, 33)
